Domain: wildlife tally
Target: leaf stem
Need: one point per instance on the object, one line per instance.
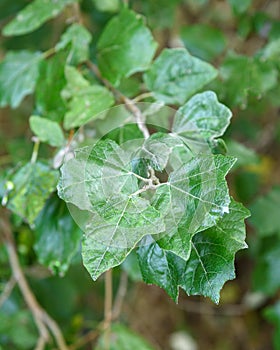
(35, 149)
(120, 296)
(129, 104)
(142, 97)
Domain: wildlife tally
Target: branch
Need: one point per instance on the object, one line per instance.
(41, 318)
(7, 290)
(108, 308)
(119, 299)
(129, 104)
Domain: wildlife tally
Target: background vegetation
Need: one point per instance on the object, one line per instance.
(241, 38)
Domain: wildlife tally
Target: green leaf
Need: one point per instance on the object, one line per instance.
(85, 101)
(202, 117)
(107, 5)
(272, 314)
(245, 156)
(18, 74)
(17, 329)
(57, 236)
(47, 131)
(34, 15)
(176, 75)
(122, 338)
(202, 182)
(100, 180)
(240, 6)
(212, 45)
(259, 76)
(131, 267)
(78, 37)
(265, 213)
(126, 46)
(33, 184)
(266, 274)
(157, 267)
(211, 262)
(50, 83)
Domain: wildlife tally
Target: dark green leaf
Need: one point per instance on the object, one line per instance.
(272, 314)
(211, 262)
(47, 131)
(126, 46)
(258, 77)
(176, 75)
(212, 45)
(240, 6)
(265, 213)
(49, 85)
(18, 74)
(33, 184)
(34, 15)
(57, 236)
(122, 338)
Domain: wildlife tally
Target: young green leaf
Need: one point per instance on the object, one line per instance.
(47, 131)
(84, 101)
(18, 75)
(33, 184)
(176, 75)
(78, 37)
(126, 46)
(57, 236)
(202, 117)
(34, 15)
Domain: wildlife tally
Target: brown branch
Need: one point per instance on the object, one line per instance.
(108, 307)
(41, 318)
(129, 104)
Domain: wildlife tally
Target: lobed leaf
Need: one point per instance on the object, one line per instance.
(176, 75)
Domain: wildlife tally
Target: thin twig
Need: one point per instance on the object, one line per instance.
(142, 97)
(129, 104)
(119, 299)
(108, 307)
(7, 290)
(41, 318)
